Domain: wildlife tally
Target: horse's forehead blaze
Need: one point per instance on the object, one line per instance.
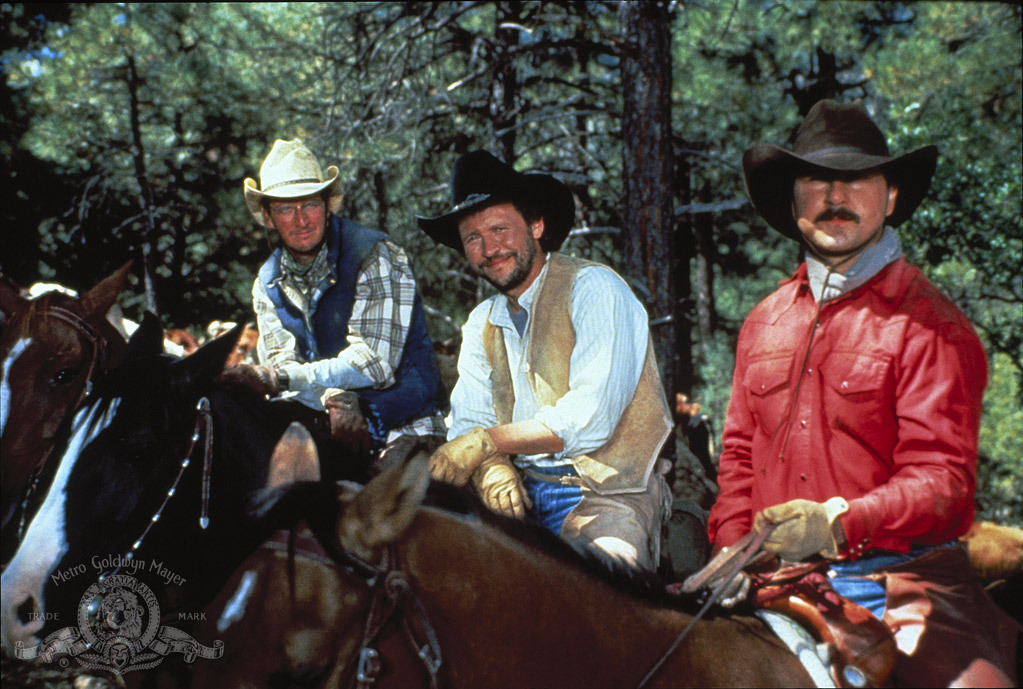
(6, 393)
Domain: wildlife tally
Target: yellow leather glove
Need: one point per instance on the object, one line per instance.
(456, 460)
(499, 485)
(804, 528)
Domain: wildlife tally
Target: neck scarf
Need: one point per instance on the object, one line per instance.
(867, 265)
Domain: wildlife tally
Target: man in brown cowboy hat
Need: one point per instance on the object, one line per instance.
(337, 308)
(852, 426)
(559, 409)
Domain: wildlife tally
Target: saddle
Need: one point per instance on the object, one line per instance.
(859, 648)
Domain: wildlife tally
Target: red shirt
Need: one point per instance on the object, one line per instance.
(879, 403)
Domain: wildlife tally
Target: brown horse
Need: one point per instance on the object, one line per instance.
(406, 595)
(51, 348)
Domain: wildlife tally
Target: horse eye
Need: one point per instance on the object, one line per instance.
(64, 376)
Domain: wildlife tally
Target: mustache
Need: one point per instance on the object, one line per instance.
(836, 213)
(493, 259)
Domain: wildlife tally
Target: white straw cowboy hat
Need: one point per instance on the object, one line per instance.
(291, 171)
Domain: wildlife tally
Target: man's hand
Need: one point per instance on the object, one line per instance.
(499, 485)
(804, 528)
(347, 424)
(735, 591)
(260, 379)
(456, 460)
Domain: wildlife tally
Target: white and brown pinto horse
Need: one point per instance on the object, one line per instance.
(51, 348)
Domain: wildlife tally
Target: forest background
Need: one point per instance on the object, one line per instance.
(126, 131)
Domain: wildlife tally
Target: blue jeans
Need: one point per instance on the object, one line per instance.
(851, 580)
(552, 501)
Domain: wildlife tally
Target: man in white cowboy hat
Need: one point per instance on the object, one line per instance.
(856, 400)
(559, 409)
(337, 308)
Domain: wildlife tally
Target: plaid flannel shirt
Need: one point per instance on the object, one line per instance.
(385, 291)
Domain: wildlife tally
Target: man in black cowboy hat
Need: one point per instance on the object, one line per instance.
(853, 421)
(338, 311)
(559, 409)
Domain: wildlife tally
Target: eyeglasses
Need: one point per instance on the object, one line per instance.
(288, 211)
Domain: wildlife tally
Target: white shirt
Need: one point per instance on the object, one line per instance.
(611, 333)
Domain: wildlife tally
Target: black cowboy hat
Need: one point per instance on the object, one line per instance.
(835, 137)
(480, 180)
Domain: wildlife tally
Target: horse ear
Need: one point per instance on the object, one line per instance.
(206, 363)
(95, 303)
(382, 510)
(294, 458)
(146, 340)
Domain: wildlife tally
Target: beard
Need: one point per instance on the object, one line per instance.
(523, 265)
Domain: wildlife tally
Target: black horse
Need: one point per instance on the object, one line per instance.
(153, 483)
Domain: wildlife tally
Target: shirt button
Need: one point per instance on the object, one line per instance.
(803, 423)
(845, 384)
(809, 371)
(802, 476)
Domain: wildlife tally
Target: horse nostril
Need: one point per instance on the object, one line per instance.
(27, 611)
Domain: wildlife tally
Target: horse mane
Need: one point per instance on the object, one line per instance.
(316, 504)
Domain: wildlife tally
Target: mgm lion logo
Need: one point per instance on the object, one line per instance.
(118, 630)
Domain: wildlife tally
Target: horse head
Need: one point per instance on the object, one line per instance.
(156, 469)
(51, 348)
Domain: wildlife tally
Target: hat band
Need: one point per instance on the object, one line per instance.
(304, 180)
(470, 200)
(832, 151)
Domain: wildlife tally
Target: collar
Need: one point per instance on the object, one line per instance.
(501, 316)
(868, 264)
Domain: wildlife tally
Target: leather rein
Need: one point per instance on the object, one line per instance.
(203, 422)
(722, 569)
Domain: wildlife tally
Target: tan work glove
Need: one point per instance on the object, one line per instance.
(804, 528)
(455, 460)
(499, 485)
(260, 379)
(735, 591)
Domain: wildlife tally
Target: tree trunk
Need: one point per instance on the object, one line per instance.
(145, 194)
(648, 174)
(505, 86)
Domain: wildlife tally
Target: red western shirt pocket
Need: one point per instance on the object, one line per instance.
(768, 381)
(857, 400)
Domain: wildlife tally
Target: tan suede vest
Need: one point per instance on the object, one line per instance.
(624, 464)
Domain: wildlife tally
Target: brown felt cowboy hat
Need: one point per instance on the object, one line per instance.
(480, 180)
(835, 137)
(291, 171)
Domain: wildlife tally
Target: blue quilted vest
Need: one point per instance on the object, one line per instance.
(417, 390)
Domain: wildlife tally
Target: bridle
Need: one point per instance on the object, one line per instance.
(99, 352)
(391, 596)
(203, 422)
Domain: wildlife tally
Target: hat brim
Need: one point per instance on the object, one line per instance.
(769, 173)
(254, 197)
(552, 198)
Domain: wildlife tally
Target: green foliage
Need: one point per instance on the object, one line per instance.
(394, 92)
